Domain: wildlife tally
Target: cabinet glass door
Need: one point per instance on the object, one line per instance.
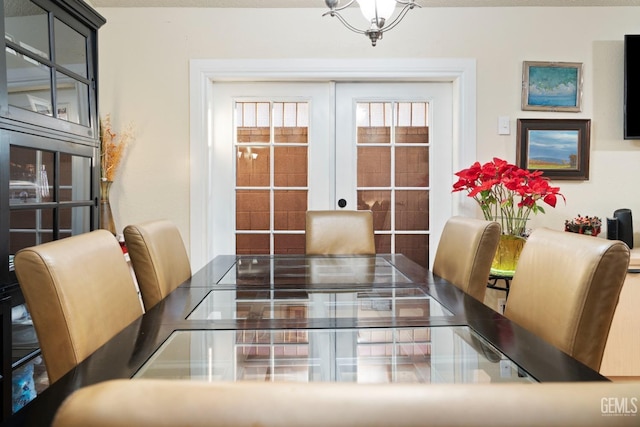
(48, 79)
(49, 196)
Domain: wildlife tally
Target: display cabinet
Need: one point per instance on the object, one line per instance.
(49, 137)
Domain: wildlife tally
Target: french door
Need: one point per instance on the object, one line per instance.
(283, 148)
(393, 155)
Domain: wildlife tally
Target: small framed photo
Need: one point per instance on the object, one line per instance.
(558, 147)
(552, 86)
(63, 111)
(40, 105)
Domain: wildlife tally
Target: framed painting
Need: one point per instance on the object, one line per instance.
(558, 147)
(552, 86)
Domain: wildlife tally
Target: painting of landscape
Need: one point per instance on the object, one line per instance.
(553, 149)
(552, 86)
(557, 147)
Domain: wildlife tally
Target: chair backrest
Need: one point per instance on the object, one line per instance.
(159, 403)
(79, 292)
(465, 253)
(159, 258)
(340, 233)
(566, 288)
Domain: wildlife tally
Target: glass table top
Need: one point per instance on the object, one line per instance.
(442, 354)
(261, 270)
(362, 304)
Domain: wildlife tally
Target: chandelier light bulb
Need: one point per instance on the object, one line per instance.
(377, 12)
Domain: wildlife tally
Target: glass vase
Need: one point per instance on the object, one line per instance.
(106, 217)
(507, 255)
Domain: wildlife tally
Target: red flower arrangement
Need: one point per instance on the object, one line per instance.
(506, 193)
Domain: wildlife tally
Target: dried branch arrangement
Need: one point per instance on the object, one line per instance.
(112, 147)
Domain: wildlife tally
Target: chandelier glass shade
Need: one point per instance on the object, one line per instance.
(377, 12)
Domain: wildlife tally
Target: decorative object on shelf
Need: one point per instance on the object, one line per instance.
(590, 225)
(507, 194)
(377, 12)
(112, 150)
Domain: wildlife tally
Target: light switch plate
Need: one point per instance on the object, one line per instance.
(503, 125)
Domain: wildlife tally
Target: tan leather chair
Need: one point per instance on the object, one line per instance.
(566, 288)
(159, 403)
(465, 253)
(79, 292)
(159, 259)
(340, 233)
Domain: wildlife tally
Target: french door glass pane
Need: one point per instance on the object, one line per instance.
(252, 166)
(393, 174)
(271, 176)
(412, 167)
(290, 209)
(372, 116)
(252, 244)
(414, 246)
(411, 209)
(288, 243)
(379, 202)
(291, 122)
(383, 243)
(252, 210)
(374, 167)
(290, 166)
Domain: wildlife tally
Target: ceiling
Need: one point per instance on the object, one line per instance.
(321, 4)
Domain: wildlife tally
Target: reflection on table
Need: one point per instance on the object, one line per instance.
(387, 303)
(446, 354)
(297, 271)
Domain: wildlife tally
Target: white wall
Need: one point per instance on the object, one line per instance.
(144, 79)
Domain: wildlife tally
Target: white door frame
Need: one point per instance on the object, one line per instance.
(460, 71)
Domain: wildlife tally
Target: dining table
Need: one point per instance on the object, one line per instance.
(364, 319)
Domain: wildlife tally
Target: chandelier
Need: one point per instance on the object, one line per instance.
(377, 12)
